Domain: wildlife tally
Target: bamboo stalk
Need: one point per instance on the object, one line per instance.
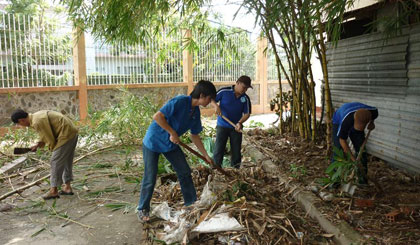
(20, 189)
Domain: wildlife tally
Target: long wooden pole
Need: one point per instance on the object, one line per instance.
(204, 159)
(231, 123)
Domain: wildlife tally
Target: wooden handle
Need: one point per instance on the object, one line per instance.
(230, 122)
(204, 159)
(363, 146)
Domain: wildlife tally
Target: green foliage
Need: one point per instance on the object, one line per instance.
(127, 207)
(341, 169)
(22, 137)
(164, 166)
(297, 171)
(132, 180)
(33, 28)
(99, 193)
(255, 124)
(134, 21)
(126, 121)
(238, 190)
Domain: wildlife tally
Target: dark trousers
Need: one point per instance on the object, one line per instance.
(356, 138)
(222, 135)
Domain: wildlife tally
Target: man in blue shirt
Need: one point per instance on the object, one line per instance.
(350, 120)
(177, 116)
(235, 105)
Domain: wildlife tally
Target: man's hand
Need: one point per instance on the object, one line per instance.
(218, 111)
(216, 107)
(238, 127)
(209, 160)
(174, 138)
(38, 145)
(371, 126)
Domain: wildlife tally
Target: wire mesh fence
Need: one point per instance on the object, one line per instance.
(35, 52)
(157, 61)
(223, 62)
(272, 65)
(38, 52)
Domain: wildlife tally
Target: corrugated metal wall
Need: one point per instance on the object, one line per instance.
(384, 74)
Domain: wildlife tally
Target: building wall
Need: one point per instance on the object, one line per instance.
(384, 73)
(104, 98)
(66, 102)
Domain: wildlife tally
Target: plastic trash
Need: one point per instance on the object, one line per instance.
(207, 197)
(176, 233)
(219, 223)
(165, 212)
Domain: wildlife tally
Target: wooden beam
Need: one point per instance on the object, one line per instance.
(79, 63)
(187, 64)
(9, 167)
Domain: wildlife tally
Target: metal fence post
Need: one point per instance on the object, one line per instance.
(187, 64)
(79, 65)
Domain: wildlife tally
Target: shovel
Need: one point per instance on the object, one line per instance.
(18, 150)
(360, 165)
(204, 159)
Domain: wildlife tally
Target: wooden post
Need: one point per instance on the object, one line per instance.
(187, 63)
(79, 65)
(261, 73)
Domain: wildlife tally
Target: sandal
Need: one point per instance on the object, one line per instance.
(143, 216)
(48, 197)
(66, 193)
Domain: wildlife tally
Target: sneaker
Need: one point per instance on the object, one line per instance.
(143, 216)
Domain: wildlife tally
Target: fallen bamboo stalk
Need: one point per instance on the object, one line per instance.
(93, 152)
(18, 190)
(80, 217)
(70, 220)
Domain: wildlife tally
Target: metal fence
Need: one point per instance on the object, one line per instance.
(34, 52)
(219, 62)
(272, 66)
(158, 61)
(39, 53)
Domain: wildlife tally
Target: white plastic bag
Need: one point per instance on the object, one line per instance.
(219, 223)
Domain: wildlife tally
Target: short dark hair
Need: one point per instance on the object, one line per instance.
(18, 114)
(204, 87)
(245, 80)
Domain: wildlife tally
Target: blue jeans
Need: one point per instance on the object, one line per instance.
(222, 135)
(177, 159)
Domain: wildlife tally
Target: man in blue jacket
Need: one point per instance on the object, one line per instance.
(235, 105)
(350, 120)
(176, 117)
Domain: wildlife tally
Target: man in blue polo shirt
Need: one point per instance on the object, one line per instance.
(178, 115)
(350, 120)
(235, 105)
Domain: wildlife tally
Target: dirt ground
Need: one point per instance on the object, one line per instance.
(111, 180)
(27, 219)
(396, 190)
(107, 190)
